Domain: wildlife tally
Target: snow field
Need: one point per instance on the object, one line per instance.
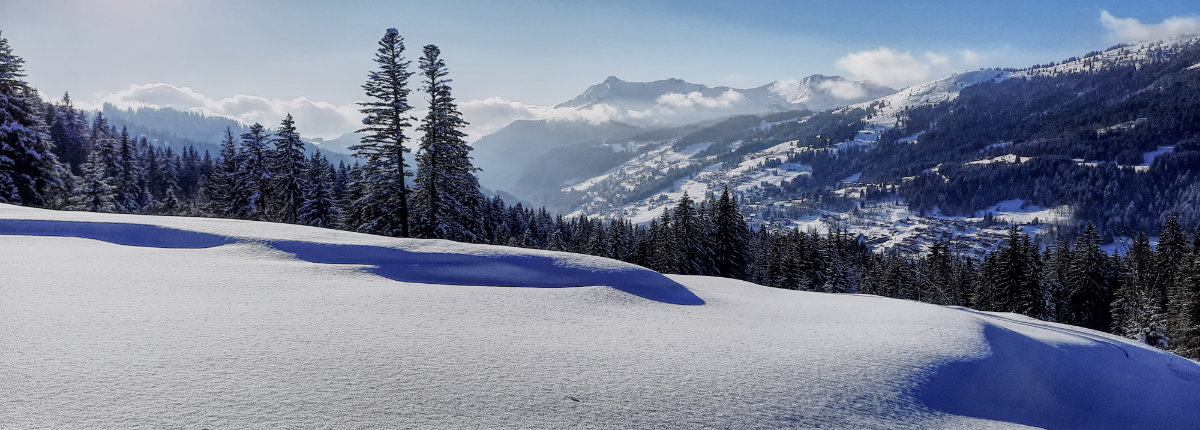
(242, 335)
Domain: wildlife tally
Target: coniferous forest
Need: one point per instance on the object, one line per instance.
(415, 178)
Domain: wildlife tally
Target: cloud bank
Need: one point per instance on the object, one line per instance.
(1130, 30)
(313, 118)
(900, 69)
(327, 120)
(317, 119)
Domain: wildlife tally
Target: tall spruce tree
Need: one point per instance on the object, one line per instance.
(129, 194)
(94, 192)
(288, 169)
(228, 194)
(256, 167)
(383, 206)
(1184, 317)
(319, 207)
(446, 198)
(686, 230)
(731, 255)
(30, 172)
(68, 130)
(1135, 308)
(1089, 283)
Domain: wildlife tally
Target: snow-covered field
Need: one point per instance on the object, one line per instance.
(200, 323)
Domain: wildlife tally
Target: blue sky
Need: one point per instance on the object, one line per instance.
(314, 55)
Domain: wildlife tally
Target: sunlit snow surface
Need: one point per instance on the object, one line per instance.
(95, 334)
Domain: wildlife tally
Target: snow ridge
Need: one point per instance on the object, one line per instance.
(413, 260)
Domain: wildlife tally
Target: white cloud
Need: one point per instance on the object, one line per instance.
(970, 57)
(937, 60)
(1133, 30)
(695, 100)
(885, 66)
(843, 90)
(900, 69)
(313, 118)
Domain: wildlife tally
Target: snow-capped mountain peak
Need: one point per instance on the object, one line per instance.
(635, 95)
(820, 92)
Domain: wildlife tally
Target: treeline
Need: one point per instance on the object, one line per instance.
(52, 157)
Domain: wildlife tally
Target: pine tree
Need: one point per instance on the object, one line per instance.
(1135, 308)
(732, 239)
(937, 275)
(1169, 257)
(1089, 283)
(686, 231)
(837, 270)
(1011, 279)
(228, 194)
(319, 208)
(68, 131)
(127, 174)
(30, 172)
(1056, 276)
(557, 241)
(666, 245)
(352, 216)
(446, 197)
(1184, 314)
(383, 206)
(256, 167)
(94, 192)
(288, 170)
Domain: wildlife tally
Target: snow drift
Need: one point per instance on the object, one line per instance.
(246, 332)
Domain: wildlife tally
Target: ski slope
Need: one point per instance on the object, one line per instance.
(122, 321)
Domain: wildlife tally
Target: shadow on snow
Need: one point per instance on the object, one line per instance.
(511, 270)
(1095, 385)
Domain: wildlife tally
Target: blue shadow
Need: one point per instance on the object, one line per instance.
(118, 233)
(499, 271)
(1066, 386)
(391, 263)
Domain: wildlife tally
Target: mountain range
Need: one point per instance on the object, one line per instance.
(532, 159)
(1108, 138)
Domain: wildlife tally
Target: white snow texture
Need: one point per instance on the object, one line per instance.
(96, 334)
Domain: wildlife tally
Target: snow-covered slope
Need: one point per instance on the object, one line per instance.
(218, 328)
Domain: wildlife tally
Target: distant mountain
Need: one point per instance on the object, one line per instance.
(340, 144)
(1111, 138)
(635, 95)
(512, 152)
(534, 159)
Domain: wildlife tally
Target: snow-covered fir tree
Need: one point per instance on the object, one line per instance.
(319, 207)
(93, 191)
(228, 193)
(288, 169)
(1183, 318)
(732, 238)
(30, 173)
(129, 194)
(446, 198)
(383, 206)
(1136, 302)
(256, 168)
(68, 130)
(1089, 283)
